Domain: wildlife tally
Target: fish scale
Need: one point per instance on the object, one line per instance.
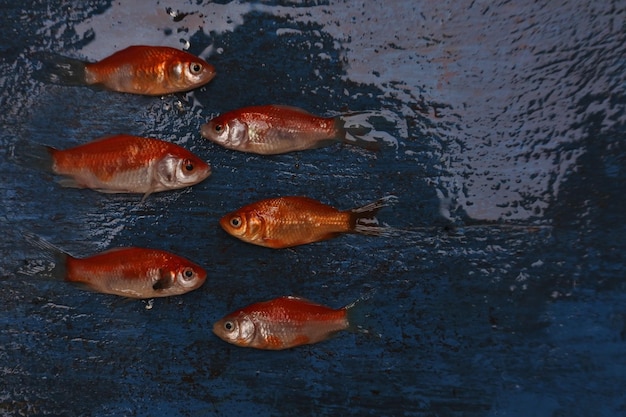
(305, 324)
(138, 69)
(275, 129)
(132, 272)
(128, 164)
(147, 70)
(281, 323)
(129, 272)
(293, 220)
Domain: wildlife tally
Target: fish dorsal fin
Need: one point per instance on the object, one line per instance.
(291, 108)
(301, 299)
(113, 250)
(298, 298)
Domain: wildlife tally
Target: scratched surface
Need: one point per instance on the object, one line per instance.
(503, 138)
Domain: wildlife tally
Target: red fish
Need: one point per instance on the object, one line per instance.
(128, 272)
(147, 70)
(282, 323)
(290, 221)
(276, 129)
(120, 164)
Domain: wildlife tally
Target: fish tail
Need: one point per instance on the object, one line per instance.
(358, 313)
(32, 155)
(57, 270)
(364, 219)
(354, 134)
(57, 69)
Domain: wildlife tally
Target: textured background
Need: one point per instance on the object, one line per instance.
(504, 132)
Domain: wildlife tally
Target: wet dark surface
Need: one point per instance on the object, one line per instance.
(503, 130)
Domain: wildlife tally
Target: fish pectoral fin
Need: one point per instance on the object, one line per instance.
(183, 100)
(121, 301)
(84, 286)
(107, 191)
(164, 282)
(70, 183)
(273, 342)
(143, 199)
(301, 340)
(273, 242)
(291, 108)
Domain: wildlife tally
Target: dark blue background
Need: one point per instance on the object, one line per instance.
(505, 295)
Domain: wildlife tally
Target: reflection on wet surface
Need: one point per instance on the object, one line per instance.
(501, 127)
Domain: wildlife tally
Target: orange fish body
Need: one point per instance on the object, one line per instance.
(128, 272)
(136, 273)
(147, 70)
(290, 221)
(275, 129)
(128, 164)
(281, 323)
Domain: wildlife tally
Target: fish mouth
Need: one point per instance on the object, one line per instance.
(201, 176)
(205, 131)
(224, 223)
(210, 72)
(216, 328)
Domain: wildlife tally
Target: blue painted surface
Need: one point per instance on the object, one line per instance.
(504, 296)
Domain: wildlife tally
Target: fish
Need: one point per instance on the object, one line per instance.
(138, 69)
(282, 323)
(130, 272)
(277, 129)
(118, 164)
(284, 222)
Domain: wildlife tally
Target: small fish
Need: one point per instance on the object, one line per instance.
(290, 221)
(139, 69)
(282, 323)
(127, 272)
(119, 164)
(276, 129)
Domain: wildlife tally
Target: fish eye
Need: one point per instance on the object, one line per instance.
(235, 222)
(195, 68)
(188, 274)
(229, 326)
(188, 165)
(218, 128)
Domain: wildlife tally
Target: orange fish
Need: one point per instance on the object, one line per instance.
(120, 164)
(282, 323)
(128, 272)
(290, 221)
(276, 129)
(147, 70)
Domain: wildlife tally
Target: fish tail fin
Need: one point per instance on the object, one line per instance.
(352, 134)
(32, 155)
(364, 219)
(56, 270)
(358, 313)
(57, 69)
